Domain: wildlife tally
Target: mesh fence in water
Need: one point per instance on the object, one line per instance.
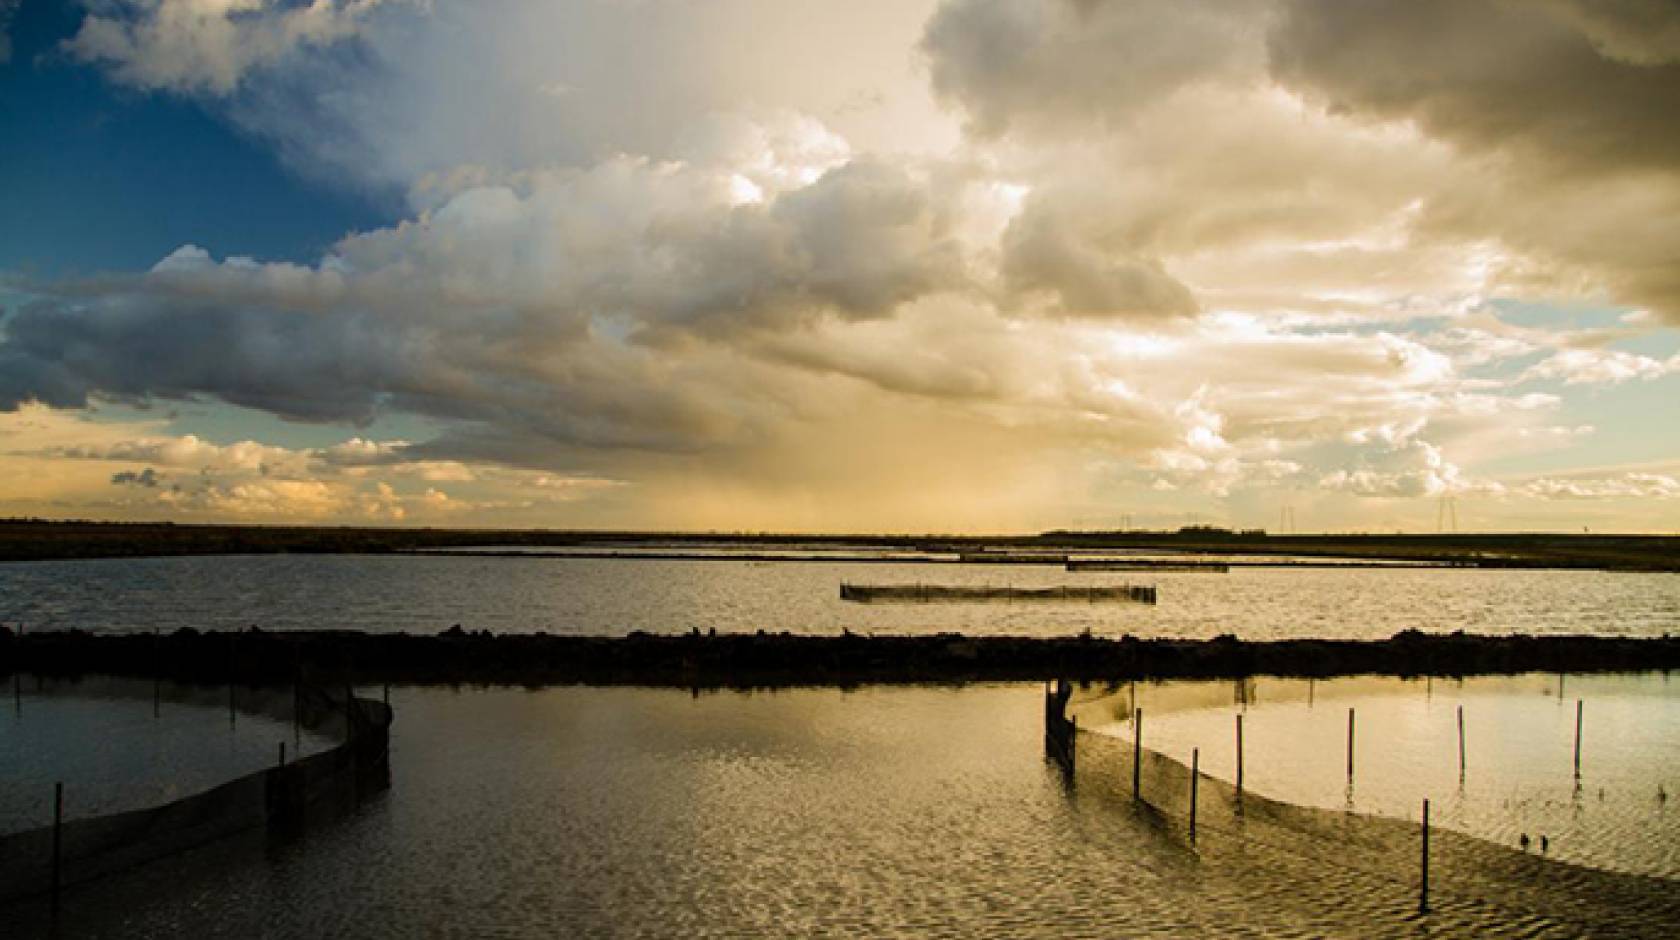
(283, 798)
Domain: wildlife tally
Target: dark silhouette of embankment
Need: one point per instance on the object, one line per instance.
(256, 657)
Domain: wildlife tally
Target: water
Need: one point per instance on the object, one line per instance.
(614, 596)
(1623, 812)
(103, 741)
(880, 812)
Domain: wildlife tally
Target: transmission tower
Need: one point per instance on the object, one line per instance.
(1286, 521)
(1446, 513)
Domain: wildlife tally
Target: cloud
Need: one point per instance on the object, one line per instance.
(208, 45)
(1040, 254)
(1643, 486)
(1542, 81)
(8, 10)
(546, 306)
(147, 478)
(1061, 63)
(1215, 249)
(1601, 367)
(1423, 471)
(385, 95)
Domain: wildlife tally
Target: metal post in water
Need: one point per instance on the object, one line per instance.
(1461, 743)
(1577, 739)
(1137, 754)
(1239, 753)
(17, 692)
(1423, 884)
(1195, 775)
(1350, 744)
(58, 841)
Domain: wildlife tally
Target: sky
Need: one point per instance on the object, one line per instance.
(882, 265)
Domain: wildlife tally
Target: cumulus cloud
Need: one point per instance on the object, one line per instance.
(1493, 75)
(208, 45)
(1420, 469)
(1061, 62)
(1040, 254)
(1624, 486)
(545, 306)
(1601, 366)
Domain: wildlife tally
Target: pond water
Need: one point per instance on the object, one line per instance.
(1622, 812)
(114, 750)
(425, 594)
(880, 812)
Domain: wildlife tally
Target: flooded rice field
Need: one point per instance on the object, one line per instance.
(425, 594)
(1518, 776)
(879, 812)
(122, 744)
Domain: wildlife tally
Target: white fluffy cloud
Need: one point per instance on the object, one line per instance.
(208, 45)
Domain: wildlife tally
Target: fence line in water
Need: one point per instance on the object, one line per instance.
(282, 798)
(928, 593)
(1061, 745)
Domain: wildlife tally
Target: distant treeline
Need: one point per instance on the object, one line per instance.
(33, 539)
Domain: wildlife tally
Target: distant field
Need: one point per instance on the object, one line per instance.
(23, 540)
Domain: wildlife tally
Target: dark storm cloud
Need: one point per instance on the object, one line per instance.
(1042, 252)
(1563, 83)
(1060, 63)
(146, 478)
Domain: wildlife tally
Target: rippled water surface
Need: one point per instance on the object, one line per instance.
(114, 749)
(616, 596)
(881, 812)
(1622, 812)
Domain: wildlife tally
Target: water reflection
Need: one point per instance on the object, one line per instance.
(596, 596)
(878, 812)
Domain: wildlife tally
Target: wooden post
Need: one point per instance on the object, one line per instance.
(1423, 883)
(1137, 754)
(282, 753)
(1195, 775)
(387, 693)
(1461, 743)
(1577, 739)
(297, 705)
(57, 843)
(1350, 744)
(157, 677)
(17, 692)
(1239, 753)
